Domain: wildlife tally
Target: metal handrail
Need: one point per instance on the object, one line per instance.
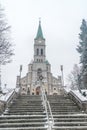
(52, 120)
(46, 103)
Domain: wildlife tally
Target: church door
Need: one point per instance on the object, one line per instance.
(28, 91)
(38, 91)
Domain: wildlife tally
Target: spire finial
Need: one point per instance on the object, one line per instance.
(39, 20)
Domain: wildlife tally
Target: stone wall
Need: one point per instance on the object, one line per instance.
(2, 107)
(81, 104)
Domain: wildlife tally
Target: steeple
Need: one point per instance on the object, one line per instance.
(39, 32)
(39, 46)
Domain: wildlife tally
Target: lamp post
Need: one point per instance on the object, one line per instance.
(20, 76)
(0, 80)
(62, 76)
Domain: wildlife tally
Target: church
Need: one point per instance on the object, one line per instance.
(39, 72)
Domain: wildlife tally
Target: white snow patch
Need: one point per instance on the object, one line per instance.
(79, 95)
(17, 90)
(6, 96)
(67, 89)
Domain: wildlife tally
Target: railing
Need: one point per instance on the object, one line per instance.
(45, 104)
(52, 120)
(82, 104)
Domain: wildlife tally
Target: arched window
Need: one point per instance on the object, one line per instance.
(41, 51)
(54, 88)
(37, 51)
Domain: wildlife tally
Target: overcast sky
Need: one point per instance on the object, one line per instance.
(60, 20)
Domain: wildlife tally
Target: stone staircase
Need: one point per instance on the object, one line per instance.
(66, 114)
(25, 113)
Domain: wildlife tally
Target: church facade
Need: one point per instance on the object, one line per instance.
(39, 71)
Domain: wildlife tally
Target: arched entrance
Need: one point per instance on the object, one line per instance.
(54, 94)
(38, 90)
(28, 91)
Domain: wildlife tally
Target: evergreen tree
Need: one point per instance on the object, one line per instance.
(82, 49)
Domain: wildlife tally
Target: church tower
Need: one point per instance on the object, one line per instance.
(39, 46)
(39, 67)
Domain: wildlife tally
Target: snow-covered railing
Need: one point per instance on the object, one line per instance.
(51, 116)
(47, 107)
(79, 99)
(45, 104)
(7, 98)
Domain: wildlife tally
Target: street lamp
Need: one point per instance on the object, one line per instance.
(0, 80)
(61, 67)
(20, 76)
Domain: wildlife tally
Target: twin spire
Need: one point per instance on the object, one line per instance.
(39, 32)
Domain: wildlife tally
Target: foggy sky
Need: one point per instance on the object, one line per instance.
(60, 21)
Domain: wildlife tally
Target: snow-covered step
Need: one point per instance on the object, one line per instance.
(79, 115)
(13, 120)
(21, 116)
(25, 113)
(80, 123)
(27, 124)
(66, 114)
(70, 119)
(69, 128)
(26, 128)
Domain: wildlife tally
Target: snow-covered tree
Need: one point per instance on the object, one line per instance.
(73, 77)
(6, 50)
(82, 49)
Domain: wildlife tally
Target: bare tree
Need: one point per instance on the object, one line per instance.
(73, 81)
(6, 50)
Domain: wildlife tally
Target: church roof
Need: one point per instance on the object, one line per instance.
(39, 32)
(47, 62)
